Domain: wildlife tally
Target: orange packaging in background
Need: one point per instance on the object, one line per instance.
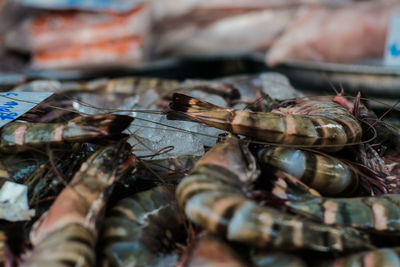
(126, 52)
(62, 28)
(83, 39)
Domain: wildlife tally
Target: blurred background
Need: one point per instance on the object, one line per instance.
(316, 43)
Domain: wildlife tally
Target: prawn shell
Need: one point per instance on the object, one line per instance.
(19, 135)
(72, 244)
(235, 156)
(219, 205)
(327, 175)
(328, 129)
(377, 214)
(81, 201)
(288, 187)
(244, 221)
(142, 229)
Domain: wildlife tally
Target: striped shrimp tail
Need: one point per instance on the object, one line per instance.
(105, 124)
(192, 109)
(185, 103)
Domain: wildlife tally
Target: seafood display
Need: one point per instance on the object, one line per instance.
(19, 135)
(165, 133)
(377, 214)
(276, 179)
(287, 187)
(89, 36)
(321, 125)
(212, 197)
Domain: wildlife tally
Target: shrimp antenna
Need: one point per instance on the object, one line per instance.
(162, 151)
(153, 172)
(387, 111)
(341, 88)
(332, 86)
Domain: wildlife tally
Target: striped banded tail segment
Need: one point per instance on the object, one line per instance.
(262, 227)
(327, 175)
(136, 207)
(212, 198)
(351, 127)
(207, 178)
(334, 125)
(71, 245)
(140, 227)
(85, 195)
(13, 134)
(274, 128)
(290, 188)
(76, 130)
(290, 129)
(342, 116)
(366, 213)
(213, 210)
(242, 220)
(223, 209)
(327, 130)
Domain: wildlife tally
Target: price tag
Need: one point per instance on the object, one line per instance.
(13, 105)
(392, 48)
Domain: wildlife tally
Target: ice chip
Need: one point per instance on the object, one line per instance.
(152, 133)
(277, 86)
(14, 202)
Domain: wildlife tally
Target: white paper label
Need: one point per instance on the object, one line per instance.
(13, 105)
(392, 48)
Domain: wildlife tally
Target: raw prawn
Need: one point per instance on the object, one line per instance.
(212, 197)
(327, 175)
(376, 214)
(73, 216)
(324, 125)
(19, 135)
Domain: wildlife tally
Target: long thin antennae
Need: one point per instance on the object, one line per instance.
(386, 112)
(333, 87)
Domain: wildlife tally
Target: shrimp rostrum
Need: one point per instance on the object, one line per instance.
(214, 197)
(324, 125)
